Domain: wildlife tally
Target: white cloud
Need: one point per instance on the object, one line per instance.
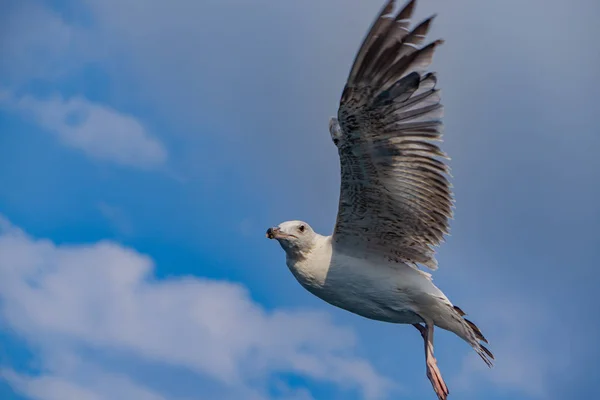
(36, 43)
(54, 387)
(99, 131)
(102, 296)
(116, 217)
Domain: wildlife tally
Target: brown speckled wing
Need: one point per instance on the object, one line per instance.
(395, 198)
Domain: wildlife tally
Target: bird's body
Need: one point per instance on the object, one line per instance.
(395, 198)
(374, 288)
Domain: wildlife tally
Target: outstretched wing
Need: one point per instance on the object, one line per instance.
(395, 199)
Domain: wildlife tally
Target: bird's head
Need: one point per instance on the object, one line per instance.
(295, 237)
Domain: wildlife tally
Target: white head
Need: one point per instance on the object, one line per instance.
(335, 130)
(297, 238)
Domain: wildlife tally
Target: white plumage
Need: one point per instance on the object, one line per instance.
(395, 198)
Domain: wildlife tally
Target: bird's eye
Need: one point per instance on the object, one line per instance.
(301, 228)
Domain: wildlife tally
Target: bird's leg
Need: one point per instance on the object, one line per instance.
(433, 372)
(421, 329)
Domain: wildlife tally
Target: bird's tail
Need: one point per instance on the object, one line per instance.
(472, 335)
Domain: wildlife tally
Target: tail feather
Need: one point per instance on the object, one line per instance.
(472, 334)
(487, 352)
(485, 355)
(476, 331)
(459, 311)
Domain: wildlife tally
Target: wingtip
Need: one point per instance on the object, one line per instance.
(388, 8)
(407, 11)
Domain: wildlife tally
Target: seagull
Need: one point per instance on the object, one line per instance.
(395, 198)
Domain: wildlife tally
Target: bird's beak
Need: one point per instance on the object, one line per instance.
(272, 232)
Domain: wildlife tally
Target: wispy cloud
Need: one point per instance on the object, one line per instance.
(36, 43)
(116, 217)
(55, 387)
(102, 296)
(98, 131)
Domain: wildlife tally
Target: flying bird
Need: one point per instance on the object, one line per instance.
(395, 198)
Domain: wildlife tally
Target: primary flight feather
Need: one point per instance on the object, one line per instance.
(395, 198)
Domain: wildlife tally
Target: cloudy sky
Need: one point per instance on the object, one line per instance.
(146, 145)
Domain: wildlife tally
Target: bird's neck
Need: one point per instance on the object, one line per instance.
(310, 267)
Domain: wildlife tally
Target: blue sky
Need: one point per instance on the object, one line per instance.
(145, 146)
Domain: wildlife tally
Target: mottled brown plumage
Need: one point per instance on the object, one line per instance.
(395, 198)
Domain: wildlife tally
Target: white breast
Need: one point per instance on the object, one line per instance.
(378, 291)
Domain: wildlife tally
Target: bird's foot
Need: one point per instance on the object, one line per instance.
(435, 376)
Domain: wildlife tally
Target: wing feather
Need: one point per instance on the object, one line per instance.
(395, 198)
